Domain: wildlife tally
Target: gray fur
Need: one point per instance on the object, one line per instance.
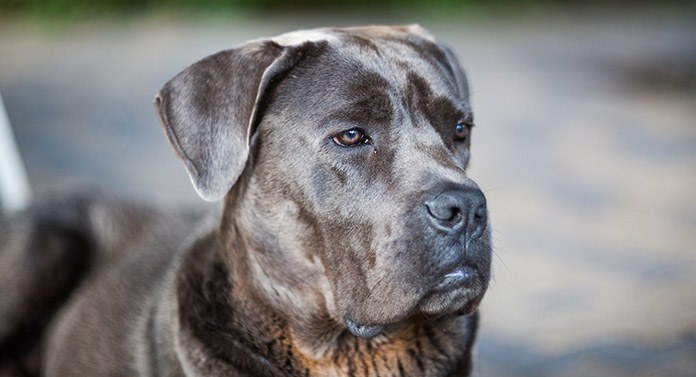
(326, 260)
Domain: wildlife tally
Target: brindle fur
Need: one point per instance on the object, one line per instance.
(310, 234)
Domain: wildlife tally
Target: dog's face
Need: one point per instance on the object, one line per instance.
(358, 148)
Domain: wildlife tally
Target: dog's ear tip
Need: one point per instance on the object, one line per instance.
(160, 101)
(208, 193)
(209, 197)
(214, 182)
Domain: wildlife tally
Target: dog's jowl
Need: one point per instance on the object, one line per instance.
(351, 241)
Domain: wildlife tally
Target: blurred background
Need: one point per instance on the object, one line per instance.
(585, 145)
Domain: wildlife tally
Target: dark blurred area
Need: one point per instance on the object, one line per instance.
(585, 146)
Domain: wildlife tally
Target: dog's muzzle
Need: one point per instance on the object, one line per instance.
(459, 216)
(449, 256)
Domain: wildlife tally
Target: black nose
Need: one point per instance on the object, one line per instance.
(462, 210)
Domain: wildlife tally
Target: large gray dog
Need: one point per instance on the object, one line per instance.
(351, 241)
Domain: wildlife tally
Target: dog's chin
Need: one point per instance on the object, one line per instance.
(460, 301)
(440, 305)
(451, 298)
(458, 292)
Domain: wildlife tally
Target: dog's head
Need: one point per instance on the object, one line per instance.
(347, 149)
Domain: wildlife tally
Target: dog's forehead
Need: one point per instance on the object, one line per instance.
(401, 61)
(388, 50)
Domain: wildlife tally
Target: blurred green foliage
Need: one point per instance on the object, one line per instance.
(63, 8)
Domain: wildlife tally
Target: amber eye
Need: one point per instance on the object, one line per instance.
(461, 133)
(350, 138)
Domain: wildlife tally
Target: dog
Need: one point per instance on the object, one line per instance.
(350, 242)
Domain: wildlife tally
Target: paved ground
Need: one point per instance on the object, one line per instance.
(585, 145)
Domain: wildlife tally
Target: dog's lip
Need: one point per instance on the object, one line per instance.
(459, 276)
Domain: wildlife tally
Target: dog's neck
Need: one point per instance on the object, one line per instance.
(294, 286)
(248, 335)
(233, 301)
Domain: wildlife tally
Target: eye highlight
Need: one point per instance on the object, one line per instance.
(350, 138)
(461, 132)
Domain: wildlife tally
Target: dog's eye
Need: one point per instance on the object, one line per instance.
(350, 138)
(461, 132)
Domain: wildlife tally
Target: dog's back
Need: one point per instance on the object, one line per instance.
(57, 247)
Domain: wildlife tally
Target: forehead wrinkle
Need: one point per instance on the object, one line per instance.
(382, 55)
(391, 57)
(386, 45)
(363, 98)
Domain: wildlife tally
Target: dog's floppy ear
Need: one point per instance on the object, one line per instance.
(207, 111)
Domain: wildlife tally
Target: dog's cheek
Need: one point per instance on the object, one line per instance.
(347, 258)
(367, 290)
(391, 272)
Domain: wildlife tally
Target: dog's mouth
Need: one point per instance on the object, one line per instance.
(458, 291)
(457, 278)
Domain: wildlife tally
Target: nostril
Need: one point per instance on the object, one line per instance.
(480, 214)
(477, 222)
(461, 210)
(455, 215)
(449, 214)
